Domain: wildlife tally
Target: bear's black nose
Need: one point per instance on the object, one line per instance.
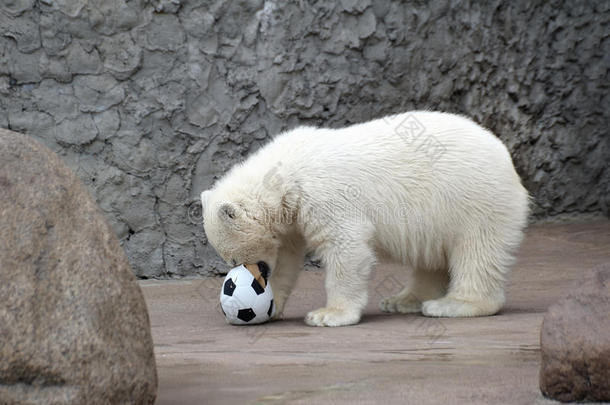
(264, 269)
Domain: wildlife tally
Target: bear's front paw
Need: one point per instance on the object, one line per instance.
(279, 309)
(332, 317)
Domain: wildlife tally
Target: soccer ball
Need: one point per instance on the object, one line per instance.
(243, 299)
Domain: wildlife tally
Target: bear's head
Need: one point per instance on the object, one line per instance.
(239, 229)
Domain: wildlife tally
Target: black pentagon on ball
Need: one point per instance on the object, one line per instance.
(270, 310)
(229, 287)
(257, 287)
(246, 315)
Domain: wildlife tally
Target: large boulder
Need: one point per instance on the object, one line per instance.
(575, 343)
(74, 328)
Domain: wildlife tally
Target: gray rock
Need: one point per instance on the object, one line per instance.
(122, 57)
(22, 67)
(367, 24)
(98, 93)
(24, 31)
(71, 8)
(166, 6)
(164, 34)
(29, 121)
(138, 158)
(80, 131)
(110, 18)
(53, 68)
(74, 327)
(56, 100)
(575, 343)
(81, 61)
(355, 6)
(107, 123)
(146, 249)
(54, 38)
(16, 7)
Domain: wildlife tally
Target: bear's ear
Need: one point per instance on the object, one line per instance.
(228, 212)
(204, 199)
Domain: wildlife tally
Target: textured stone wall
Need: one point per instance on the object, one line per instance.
(149, 102)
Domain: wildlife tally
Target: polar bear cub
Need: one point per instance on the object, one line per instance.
(432, 191)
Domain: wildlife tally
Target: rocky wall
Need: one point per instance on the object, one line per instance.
(150, 101)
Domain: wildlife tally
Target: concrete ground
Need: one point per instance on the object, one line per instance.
(387, 358)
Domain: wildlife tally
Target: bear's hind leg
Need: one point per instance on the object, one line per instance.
(423, 285)
(477, 272)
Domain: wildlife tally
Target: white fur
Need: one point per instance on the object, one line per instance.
(433, 191)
